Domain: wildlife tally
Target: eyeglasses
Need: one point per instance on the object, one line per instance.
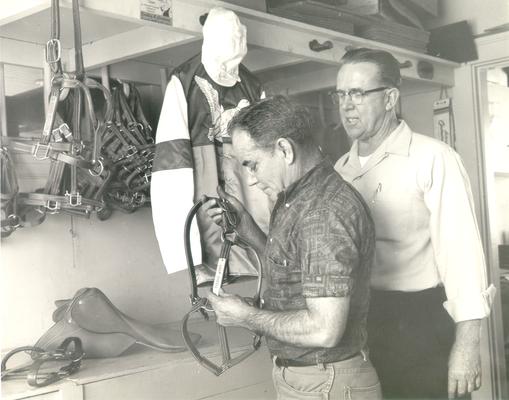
(356, 95)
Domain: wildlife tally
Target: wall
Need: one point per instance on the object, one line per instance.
(417, 110)
(52, 261)
(480, 14)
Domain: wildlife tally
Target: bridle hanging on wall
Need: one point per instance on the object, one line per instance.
(129, 146)
(70, 138)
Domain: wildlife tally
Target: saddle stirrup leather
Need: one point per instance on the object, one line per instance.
(229, 238)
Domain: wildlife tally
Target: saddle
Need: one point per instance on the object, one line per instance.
(104, 330)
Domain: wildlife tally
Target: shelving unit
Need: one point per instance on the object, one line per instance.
(113, 32)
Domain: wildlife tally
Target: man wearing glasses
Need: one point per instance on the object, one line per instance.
(429, 283)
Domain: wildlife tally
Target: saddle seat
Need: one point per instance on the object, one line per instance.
(104, 330)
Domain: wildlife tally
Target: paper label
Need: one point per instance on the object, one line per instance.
(443, 121)
(160, 11)
(218, 278)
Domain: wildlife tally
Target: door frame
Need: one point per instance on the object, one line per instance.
(493, 53)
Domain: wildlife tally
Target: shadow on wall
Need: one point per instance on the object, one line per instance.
(333, 141)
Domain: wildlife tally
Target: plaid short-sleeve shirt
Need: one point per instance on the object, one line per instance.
(320, 244)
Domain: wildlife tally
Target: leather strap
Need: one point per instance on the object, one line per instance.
(70, 158)
(69, 350)
(131, 152)
(230, 238)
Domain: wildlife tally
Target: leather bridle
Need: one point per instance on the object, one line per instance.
(229, 237)
(69, 350)
(72, 155)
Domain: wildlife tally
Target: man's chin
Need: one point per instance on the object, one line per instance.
(353, 133)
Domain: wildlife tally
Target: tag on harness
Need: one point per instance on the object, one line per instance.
(218, 278)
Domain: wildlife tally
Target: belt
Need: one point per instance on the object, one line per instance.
(282, 362)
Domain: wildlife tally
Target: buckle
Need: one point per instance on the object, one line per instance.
(53, 205)
(77, 147)
(131, 151)
(74, 198)
(14, 221)
(45, 148)
(94, 171)
(138, 199)
(53, 51)
(57, 135)
(65, 130)
(132, 125)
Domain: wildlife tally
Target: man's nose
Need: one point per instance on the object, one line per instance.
(347, 103)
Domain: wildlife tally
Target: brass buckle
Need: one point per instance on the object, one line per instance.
(53, 205)
(14, 221)
(94, 172)
(131, 151)
(56, 134)
(65, 130)
(36, 152)
(74, 198)
(53, 51)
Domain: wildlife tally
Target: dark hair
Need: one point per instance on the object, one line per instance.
(387, 65)
(274, 118)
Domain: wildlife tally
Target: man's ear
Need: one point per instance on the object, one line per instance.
(392, 96)
(286, 148)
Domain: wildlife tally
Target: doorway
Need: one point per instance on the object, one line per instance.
(491, 101)
(496, 145)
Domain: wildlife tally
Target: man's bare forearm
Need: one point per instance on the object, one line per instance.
(321, 324)
(294, 327)
(468, 333)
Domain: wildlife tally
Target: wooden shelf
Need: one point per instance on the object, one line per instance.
(145, 373)
(113, 32)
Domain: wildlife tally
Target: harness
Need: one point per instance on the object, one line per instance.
(70, 350)
(129, 146)
(70, 138)
(230, 237)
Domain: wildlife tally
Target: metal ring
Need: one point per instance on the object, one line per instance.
(101, 170)
(14, 217)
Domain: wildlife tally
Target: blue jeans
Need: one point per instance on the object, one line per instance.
(351, 379)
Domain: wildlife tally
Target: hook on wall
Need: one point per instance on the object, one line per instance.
(406, 64)
(203, 18)
(317, 46)
(425, 70)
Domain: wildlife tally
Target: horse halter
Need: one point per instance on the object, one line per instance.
(70, 351)
(229, 237)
